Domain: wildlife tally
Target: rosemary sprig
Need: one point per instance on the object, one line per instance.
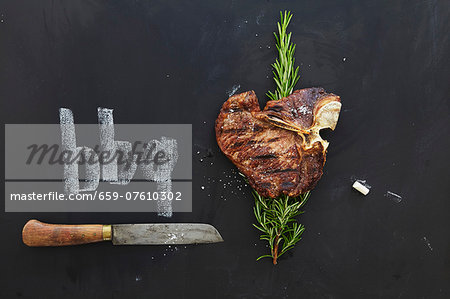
(285, 74)
(276, 217)
(276, 220)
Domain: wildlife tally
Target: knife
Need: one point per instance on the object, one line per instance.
(36, 234)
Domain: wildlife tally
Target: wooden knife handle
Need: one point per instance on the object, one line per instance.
(36, 233)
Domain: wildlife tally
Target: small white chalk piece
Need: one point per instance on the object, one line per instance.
(360, 187)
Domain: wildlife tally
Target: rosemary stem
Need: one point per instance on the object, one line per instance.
(275, 248)
(276, 217)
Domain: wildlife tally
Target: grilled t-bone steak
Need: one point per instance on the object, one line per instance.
(278, 149)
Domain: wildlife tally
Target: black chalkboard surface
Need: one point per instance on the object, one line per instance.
(176, 62)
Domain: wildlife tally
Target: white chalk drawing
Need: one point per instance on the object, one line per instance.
(161, 170)
(70, 149)
(107, 143)
(117, 161)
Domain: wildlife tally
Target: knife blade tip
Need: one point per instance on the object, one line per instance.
(217, 235)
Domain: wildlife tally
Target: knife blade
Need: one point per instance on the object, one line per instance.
(164, 233)
(38, 234)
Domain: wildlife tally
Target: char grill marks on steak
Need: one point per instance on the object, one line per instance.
(278, 149)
